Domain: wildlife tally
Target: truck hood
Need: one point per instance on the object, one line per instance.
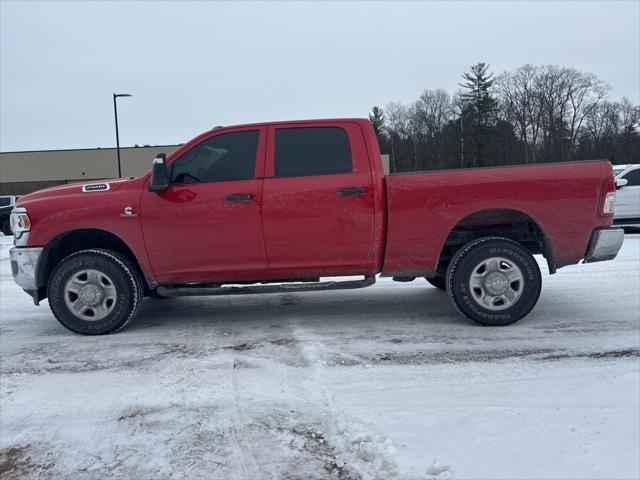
(93, 187)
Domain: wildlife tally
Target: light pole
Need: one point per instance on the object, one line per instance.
(115, 111)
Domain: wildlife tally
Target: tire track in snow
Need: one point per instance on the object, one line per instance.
(357, 447)
(279, 410)
(291, 414)
(242, 447)
(201, 392)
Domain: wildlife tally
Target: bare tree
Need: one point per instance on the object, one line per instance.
(629, 114)
(433, 110)
(397, 127)
(585, 92)
(398, 119)
(520, 105)
(566, 97)
(602, 121)
(428, 116)
(551, 87)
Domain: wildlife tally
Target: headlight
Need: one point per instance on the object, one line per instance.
(20, 221)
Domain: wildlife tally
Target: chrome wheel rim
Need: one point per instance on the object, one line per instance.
(90, 295)
(496, 283)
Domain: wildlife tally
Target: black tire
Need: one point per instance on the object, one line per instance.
(125, 278)
(465, 261)
(439, 282)
(6, 227)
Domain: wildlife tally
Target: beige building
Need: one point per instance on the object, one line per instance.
(25, 172)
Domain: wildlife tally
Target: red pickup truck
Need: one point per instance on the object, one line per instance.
(274, 207)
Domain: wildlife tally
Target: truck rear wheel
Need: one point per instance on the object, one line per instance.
(94, 292)
(494, 281)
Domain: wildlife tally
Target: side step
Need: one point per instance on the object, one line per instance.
(186, 291)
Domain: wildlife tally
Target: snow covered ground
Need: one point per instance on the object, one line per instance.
(385, 382)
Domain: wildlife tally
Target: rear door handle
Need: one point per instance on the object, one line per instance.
(239, 197)
(351, 191)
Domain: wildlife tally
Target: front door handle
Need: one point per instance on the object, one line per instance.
(351, 191)
(239, 197)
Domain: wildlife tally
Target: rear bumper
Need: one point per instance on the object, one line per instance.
(24, 267)
(604, 245)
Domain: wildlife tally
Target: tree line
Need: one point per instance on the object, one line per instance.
(533, 114)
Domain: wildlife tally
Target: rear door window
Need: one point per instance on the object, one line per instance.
(312, 151)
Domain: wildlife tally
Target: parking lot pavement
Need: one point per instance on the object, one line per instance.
(385, 382)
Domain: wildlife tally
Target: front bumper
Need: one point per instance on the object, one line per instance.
(605, 244)
(24, 267)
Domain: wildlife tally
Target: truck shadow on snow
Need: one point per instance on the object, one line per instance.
(421, 305)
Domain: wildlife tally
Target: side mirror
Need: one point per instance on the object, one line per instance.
(621, 182)
(159, 174)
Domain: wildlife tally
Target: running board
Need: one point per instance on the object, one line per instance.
(186, 291)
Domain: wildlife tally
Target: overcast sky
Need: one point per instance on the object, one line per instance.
(191, 66)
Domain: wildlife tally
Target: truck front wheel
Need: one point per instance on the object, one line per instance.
(94, 292)
(494, 281)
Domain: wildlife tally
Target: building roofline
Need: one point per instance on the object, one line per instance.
(91, 149)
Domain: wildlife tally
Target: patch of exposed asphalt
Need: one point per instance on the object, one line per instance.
(345, 361)
(48, 358)
(625, 353)
(420, 358)
(12, 459)
(139, 412)
(16, 462)
(314, 444)
(241, 347)
(284, 342)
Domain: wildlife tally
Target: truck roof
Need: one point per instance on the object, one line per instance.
(283, 122)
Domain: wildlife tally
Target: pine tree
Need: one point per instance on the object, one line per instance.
(478, 96)
(479, 112)
(376, 117)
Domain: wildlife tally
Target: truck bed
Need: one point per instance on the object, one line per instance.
(423, 208)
